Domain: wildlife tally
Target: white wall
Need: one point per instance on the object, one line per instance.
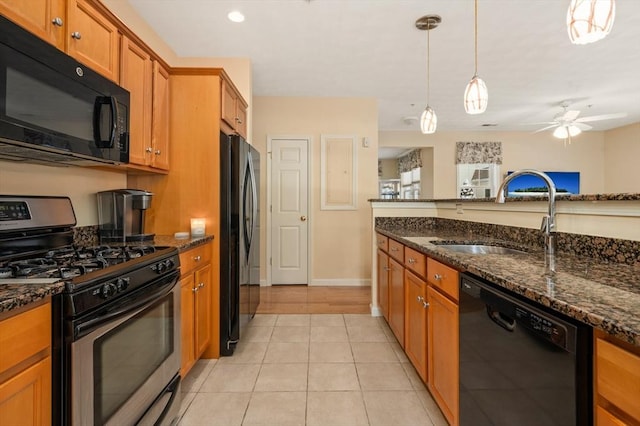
(340, 240)
(621, 159)
(78, 183)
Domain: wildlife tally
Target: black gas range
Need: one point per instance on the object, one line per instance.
(116, 323)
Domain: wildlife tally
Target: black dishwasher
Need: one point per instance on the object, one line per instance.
(520, 362)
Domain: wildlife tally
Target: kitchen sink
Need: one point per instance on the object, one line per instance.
(480, 249)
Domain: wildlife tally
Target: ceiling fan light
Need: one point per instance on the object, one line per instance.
(573, 130)
(476, 96)
(590, 20)
(561, 132)
(428, 121)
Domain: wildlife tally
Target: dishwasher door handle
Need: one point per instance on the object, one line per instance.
(503, 321)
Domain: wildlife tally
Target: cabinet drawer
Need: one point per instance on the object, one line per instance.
(443, 278)
(191, 259)
(24, 335)
(382, 242)
(618, 377)
(396, 250)
(415, 261)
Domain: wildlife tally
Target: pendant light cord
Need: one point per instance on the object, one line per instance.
(476, 37)
(428, 60)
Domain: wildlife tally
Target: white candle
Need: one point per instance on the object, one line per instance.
(197, 227)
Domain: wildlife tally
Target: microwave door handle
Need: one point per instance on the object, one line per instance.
(97, 114)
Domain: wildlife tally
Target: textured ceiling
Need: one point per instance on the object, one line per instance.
(371, 48)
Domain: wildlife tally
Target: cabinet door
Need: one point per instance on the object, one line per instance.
(203, 309)
(25, 399)
(443, 353)
(136, 76)
(396, 300)
(43, 18)
(187, 327)
(228, 104)
(415, 326)
(92, 39)
(160, 133)
(383, 283)
(241, 118)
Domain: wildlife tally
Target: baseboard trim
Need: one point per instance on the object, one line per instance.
(341, 282)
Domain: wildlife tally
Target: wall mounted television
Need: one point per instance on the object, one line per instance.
(567, 183)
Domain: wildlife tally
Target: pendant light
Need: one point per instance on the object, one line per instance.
(590, 20)
(428, 119)
(476, 96)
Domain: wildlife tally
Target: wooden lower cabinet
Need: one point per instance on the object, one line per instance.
(415, 325)
(25, 399)
(396, 299)
(616, 381)
(383, 283)
(25, 367)
(443, 353)
(196, 301)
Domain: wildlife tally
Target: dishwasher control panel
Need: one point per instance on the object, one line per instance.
(542, 326)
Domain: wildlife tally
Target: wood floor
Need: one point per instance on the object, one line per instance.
(302, 299)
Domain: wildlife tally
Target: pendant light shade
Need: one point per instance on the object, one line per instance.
(428, 121)
(476, 95)
(590, 20)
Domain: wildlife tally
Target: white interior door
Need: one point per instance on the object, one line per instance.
(289, 211)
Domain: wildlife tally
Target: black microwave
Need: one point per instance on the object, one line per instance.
(55, 110)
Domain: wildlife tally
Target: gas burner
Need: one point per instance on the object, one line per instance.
(5, 273)
(138, 251)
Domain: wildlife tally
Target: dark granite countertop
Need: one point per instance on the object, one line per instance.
(559, 197)
(603, 295)
(13, 296)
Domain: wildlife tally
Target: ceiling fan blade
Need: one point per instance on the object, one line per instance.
(582, 126)
(546, 128)
(601, 117)
(570, 115)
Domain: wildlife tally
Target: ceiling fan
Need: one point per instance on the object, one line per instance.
(567, 124)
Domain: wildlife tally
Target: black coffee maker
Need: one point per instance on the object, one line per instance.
(121, 215)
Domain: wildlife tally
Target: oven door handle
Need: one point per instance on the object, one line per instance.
(129, 304)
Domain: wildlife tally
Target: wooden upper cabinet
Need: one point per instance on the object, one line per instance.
(92, 38)
(43, 18)
(136, 75)
(234, 109)
(160, 117)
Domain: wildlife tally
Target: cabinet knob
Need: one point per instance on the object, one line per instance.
(303, 218)
(420, 298)
(425, 305)
(157, 152)
(149, 149)
(437, 277)
(197, 258)
(239, 121)
(194, 289)
(394, 248)
(386, 268)
(200, 285)
(57, 21)
(76, 35)
(411, 260)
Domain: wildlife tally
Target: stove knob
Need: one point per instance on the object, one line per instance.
(108, 290)
(169, 263)
(160, 267)
(122, 283)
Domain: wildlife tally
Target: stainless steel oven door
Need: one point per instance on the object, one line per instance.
(125, 358)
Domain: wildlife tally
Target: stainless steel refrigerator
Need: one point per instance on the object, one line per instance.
(239, 238)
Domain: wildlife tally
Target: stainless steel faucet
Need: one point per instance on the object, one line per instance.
(549, 221)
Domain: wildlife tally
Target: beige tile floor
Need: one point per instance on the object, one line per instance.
(310, 369)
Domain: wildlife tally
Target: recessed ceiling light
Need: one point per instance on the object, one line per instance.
(236, 16)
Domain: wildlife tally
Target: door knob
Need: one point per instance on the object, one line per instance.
(303, 218)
